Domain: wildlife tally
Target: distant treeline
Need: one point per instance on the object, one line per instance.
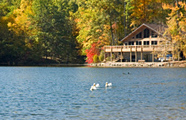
(65, 31)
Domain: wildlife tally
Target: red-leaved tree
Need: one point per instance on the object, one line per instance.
(94, 50)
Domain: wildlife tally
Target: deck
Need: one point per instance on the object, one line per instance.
(138, 48)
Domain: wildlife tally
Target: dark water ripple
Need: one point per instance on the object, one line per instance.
(62, 93)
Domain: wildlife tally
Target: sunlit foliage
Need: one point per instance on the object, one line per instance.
(177, 26)
(63, 31)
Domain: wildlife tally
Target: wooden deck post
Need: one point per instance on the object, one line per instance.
(121, 57)
(130, 53)
(141, 52)
(153, 55)
(136, 57)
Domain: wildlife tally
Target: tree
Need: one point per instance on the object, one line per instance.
(100, 23)
(146, 11)
(94, 50)
(177, 27)
(52, 22)
(12, 35)
(32, 29)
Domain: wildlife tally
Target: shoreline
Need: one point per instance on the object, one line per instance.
(172, 64)
(48, 65)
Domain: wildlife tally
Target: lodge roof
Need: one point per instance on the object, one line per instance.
(159, 29)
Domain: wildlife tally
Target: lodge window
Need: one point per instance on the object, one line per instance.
(153, 34)
(154, 42)
(145, 42)
(138, 42)
(126, 43)
(131, 43)
(139, 35)
(146, 33)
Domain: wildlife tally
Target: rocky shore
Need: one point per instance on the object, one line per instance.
(140, 64)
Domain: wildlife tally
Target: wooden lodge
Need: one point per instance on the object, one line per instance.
(142, 44)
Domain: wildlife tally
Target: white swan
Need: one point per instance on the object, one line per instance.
(108, 84)
(97, 85)
(93, 87)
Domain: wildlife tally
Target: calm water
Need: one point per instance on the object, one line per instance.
(60, 93)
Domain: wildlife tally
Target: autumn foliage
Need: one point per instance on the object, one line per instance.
(94, 50)
(176, 22)
(67, 30)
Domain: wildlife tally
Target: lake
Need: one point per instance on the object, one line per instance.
(63, 93)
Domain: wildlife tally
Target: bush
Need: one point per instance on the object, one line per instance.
(95, 58)
(101, 56)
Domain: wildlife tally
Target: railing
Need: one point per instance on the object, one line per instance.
(147, 48)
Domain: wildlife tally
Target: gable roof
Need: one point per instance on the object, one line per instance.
(159, 29)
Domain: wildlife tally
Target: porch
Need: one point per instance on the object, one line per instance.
(134, 53)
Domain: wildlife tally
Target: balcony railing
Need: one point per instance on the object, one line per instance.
(145, 48)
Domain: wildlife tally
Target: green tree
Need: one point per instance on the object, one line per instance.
(54, 28)
(12, 38)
